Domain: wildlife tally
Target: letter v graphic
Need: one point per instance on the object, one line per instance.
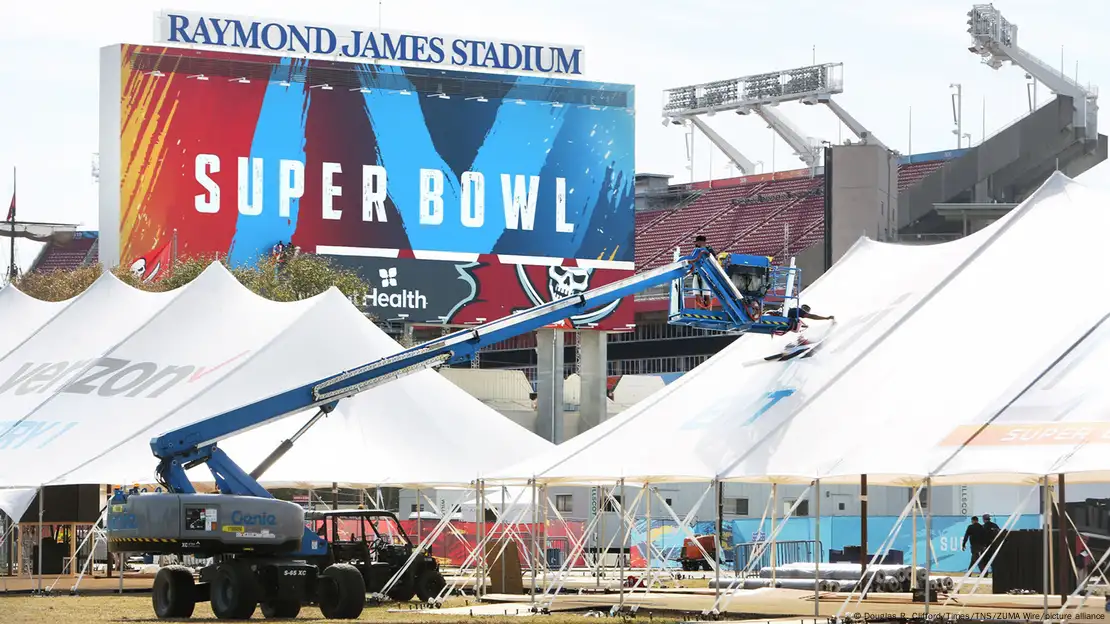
(204, 370)
(772, 398)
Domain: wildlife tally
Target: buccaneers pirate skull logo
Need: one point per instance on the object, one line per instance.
(565, 282)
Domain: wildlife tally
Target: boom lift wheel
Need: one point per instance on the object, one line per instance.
(429, 584)
(342, 592)
(404, 589)
(174, 594)
(234, 591)
(281, 609)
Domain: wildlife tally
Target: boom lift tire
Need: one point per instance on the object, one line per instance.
(429, 584)
(342, 592)
(174, 594)
(403, 590)
(281, 609)
(234, 591)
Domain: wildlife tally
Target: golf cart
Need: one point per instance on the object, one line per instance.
(373, 541)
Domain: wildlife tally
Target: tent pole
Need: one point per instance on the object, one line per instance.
(928, 543)
(863, 523)
(1065, 552)
(42, 513)
(603, 503)
(533, 560)
(509, 531)
(913, 542)
(1046, 531)
(543, 526)
(774, 516)
(481, 586)
(419, 516)
(818, 551)
(624, 541)
(647, 537)
(720, 542)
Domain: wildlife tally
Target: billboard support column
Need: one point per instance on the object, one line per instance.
(549, 384)
(594, 349)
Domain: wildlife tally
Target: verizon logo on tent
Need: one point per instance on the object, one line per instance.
(106, 376)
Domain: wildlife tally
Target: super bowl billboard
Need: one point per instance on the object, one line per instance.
(422, 179)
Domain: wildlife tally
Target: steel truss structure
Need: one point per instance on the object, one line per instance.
(761, 94)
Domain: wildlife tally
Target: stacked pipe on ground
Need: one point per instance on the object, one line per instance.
(843, 577)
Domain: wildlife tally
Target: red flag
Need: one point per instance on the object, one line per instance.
(155, 264)
(11, 209)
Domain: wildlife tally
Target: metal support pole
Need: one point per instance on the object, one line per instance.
(534, 559)
(720, 542)
(42, 514)
(1065, 552)
(913, 543)
(624, 540)
(774, 516)
(819, 551)
(928, 543)
(647, 534)
(506, 522)
(480, 588)
(419, 517)
(543, 535)
(603, 504)
(863, 524)
(1046, 530)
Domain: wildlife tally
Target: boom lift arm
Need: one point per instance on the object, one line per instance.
(196, 443)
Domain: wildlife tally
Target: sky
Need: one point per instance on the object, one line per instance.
(899, 56)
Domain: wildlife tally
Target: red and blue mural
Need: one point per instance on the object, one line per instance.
(380, 166)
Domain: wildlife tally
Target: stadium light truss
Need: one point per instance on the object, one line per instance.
(995, 39)
(760, 94)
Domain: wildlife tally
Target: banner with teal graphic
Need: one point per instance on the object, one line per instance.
(836, 533)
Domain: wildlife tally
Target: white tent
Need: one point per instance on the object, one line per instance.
(985, 334)
(83, 396)
(22, 315)
(868, 395)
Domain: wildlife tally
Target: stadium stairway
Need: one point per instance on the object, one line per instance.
(1005, 168)
(66, 256)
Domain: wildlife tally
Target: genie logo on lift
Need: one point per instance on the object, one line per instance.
(122, 522)
(262, 519)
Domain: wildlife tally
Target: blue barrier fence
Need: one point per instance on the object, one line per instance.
(836, 533)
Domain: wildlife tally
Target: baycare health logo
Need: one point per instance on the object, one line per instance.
(386, 294)
(107, 377)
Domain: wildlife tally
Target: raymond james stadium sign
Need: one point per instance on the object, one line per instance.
(355, 43)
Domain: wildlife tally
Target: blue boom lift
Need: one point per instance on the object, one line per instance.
(263, 551)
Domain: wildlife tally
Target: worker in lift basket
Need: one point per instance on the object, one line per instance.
(700, 289)
(796, 314)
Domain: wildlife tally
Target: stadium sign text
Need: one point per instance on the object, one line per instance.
(519, 193)
(313, 39)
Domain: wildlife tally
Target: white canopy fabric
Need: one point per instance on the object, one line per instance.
(926, 337)
(988, 332)
(684, 431)
(22, 315)
(15, 501)
(1060, 423)
(83, 396)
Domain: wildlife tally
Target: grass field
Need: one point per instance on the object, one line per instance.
(128, 608)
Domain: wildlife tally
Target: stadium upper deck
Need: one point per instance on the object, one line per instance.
(774, 216)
